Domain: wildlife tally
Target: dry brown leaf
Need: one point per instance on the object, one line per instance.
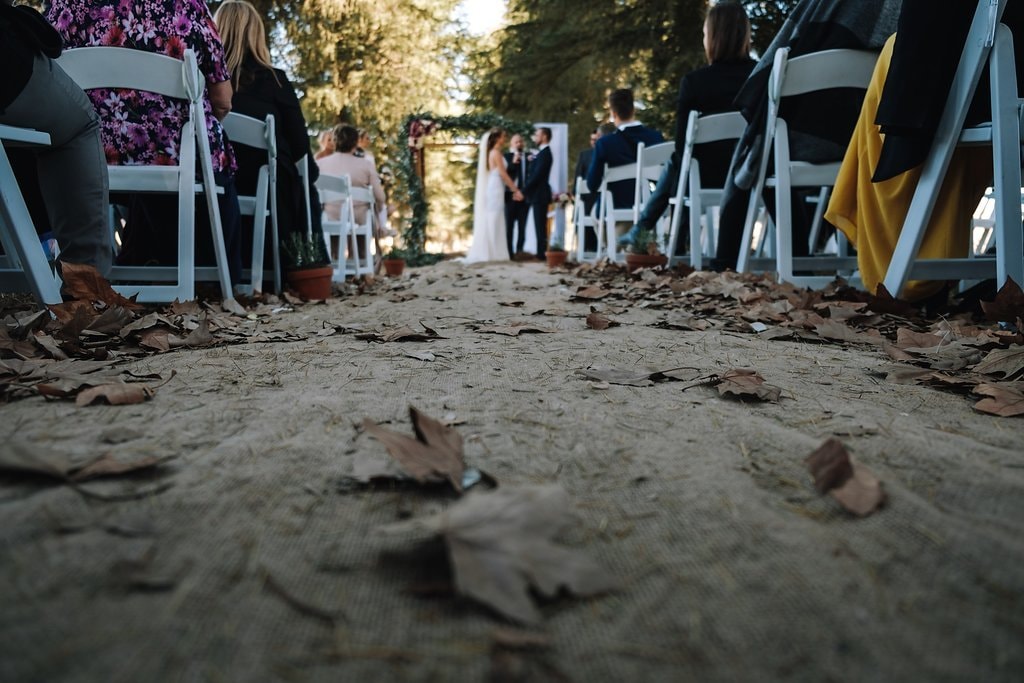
(116, 394)
(592, 293)
(832, 329)
(19, 456)
(515, 329)
(596, 321)
(835, 472)
(909, 339)
(1006, 362)
(108, 466)
(434, 455)
(1008, 304)
(747, 383)
(631, 378)
(156, 338)
(400, 334)
(84, 283)
(501, 544)
(198, 337)
(110, 321)
(1003, 400)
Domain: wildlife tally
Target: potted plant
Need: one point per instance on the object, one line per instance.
(644, 252)
(555, 254)
(307, 265)
(394, 262)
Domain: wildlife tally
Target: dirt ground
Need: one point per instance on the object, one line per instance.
(249, 556)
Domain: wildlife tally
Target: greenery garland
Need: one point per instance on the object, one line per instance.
(410, 185)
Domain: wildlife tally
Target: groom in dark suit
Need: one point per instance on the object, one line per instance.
(515, 211)
(538, 188)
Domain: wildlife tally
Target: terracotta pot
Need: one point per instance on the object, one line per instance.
(393, 266)
(636, 261)
(311, 283)
(556, 258)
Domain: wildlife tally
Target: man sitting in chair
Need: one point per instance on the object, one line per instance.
(620, 148)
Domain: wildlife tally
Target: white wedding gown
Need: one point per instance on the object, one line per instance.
(489, 241)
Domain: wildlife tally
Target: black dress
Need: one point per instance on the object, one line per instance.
(263, 91)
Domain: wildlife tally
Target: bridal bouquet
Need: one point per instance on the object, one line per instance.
(563, 199)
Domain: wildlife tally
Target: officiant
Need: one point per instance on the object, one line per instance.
(516, 211)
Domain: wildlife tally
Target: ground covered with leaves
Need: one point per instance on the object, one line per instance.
(499, 473)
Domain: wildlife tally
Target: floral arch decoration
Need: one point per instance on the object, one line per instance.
(409, 169)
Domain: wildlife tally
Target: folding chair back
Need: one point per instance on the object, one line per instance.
(810, 73)
(607, 213)
(250, 132)
(582, 221)
(117, 67)
(363, 232)
(339, 189)
(23, 266)
(700, 130)
(991, 40)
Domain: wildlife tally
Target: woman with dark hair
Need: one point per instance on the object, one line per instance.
(259, 90)
(489, 232)
(708, 90)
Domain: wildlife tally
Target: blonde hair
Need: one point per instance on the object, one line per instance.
(242, 33)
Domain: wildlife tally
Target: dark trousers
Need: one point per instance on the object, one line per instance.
(515, 215)
(734, 214)
(540, 224)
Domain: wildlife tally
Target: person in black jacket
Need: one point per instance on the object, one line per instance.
(538, 187)
(708, 90)
(72, 171)
(260, 89)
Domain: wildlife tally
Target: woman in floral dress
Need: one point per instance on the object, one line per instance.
(145, 128)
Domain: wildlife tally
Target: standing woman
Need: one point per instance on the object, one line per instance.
(259, 90)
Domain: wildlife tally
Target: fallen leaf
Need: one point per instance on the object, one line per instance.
(832, 329)
(596, 321)
(501, 545)
(84, 283)
(19, 456)
(107, 466)
(232, 306)
(515, 329)
(185, 308)
(836, 472)
(907, 339)
(632, 378)
(435, 454)
(1006, 362)
(116, 394)
(1008, 304)
(196, 338)
(421, 355)
(401, 334)
(591, 293)
(746, 383)
(1002, 400)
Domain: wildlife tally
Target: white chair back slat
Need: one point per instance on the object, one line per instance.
(106, 67)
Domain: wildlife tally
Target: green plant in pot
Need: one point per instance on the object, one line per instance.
(644, 251)
(394, 261)
(555, 254)
(307, 265)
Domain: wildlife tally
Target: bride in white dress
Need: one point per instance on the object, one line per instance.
(489, 240)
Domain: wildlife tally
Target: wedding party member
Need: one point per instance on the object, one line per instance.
(590, 198)
(492, 178)
(516, 211)
(138, 127)
(619, 148)
(538, 186)
(71, 172)
(708, 90)
(261, 90)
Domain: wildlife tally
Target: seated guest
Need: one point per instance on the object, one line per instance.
(325, 143)
(363, 148)
(259, 90)
(894, 133)
(360, 170)
(708, 90)
(619, 148)
(72, 174)
(144, 128)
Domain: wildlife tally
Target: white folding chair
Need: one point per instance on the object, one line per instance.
(339, 189)
(581, 220)
(23, 266)
(363, 232)
(117, 67)
(798, 76)
(607, 213)
(691, 191)
(250, 132)
(650, 162)
(986, 39)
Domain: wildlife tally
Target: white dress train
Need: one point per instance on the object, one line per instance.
(489, 240)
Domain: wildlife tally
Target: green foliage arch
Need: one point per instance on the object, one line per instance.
(410, 145)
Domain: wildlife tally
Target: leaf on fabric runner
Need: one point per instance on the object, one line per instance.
(631, 377)
(746, 383)
(515, 329)
(596, 321)
(952, 356)
(116, 394)
(1006, 362)
(909, 339)
(501, 544)
(838, 474)
(198, 337)
(1008, 304)
(426, 356)
(512, 304)
(84, 283)
(832, 329)
(50, 345)
(1002, 400)
(232, 306)
(158, 339)
(591, 293)
(190, 307)
(20, 456)
(110, 321)
(146, 322)
(400, 334)
(434, 455)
